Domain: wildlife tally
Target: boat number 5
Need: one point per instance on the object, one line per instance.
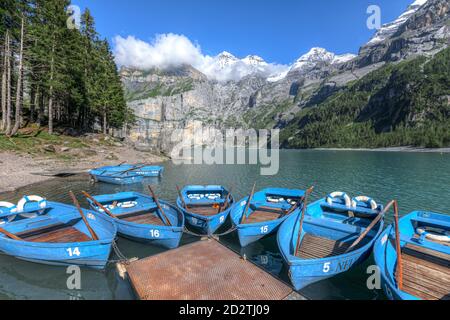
(74, 252)
(264, 229)
(326, 267)
(154, 233)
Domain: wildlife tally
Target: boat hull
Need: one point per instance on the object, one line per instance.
(93, 254)
(385, 253)
(304, 272)
(250, 233)
(168, 237)
(119, 180)
(205, 225)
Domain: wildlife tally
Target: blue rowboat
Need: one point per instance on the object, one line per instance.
(325, 248)
(425, 254)
(206, 208)
(267, 211)
(146, 171)
(58, 236)
(116, 177)
(138, 218)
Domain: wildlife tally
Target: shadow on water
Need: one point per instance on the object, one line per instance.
(417, 180)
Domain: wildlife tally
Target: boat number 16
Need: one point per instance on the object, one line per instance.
(264, 229)
(74, 252)
(154, 233)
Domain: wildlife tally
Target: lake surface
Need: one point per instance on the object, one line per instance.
(416, 180)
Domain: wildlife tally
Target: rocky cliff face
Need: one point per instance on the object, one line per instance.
(164, 100)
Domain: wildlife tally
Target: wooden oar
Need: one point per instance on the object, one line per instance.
(294, 207)
(370, 227)
(129, 170)
(77, 204)
(159, 206)
(244, 214)
(98, 204)
(10, 235)
(399, 273)
(227, 200)
(302, 218)
(181, 197)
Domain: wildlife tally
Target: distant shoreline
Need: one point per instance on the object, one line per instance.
(390, 149)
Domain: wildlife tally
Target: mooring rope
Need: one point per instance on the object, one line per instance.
(187, 231)
(119, 254)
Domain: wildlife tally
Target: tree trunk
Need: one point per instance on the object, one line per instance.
(50, 98)
(19, 85)
(40, 98)
(3, 122)
(33, 100)
(105, 122)
(8, 85)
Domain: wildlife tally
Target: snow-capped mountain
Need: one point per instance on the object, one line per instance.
(311, 59)
(253, 60)
(391, 28)
(225, 60)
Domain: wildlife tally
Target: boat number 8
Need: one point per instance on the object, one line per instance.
(154, 233)
(222, 219)
(326, 267)
(264, 229)
(74, 252)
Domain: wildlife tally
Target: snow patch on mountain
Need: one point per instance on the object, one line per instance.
(391, 28)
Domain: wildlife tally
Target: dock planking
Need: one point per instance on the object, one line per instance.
(204, 270)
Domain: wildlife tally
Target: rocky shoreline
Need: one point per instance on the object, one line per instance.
(19, 170)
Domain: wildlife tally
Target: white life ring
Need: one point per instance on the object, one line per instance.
(373, 204)
(273, 200)
(435, 237)
(339, 195)
(127, 205)
(109, 207)
(42, 203)
(11, 208)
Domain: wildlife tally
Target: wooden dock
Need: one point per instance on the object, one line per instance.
(204, 270)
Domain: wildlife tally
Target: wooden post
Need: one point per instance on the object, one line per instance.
(370, 227)
(302, 218)
(98, 204)
(250, 198)
(181, 197)
(159, 206)
(399, 273)
(91, 231)
(10, 235)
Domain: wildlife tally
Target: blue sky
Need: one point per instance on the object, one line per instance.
(277, 30)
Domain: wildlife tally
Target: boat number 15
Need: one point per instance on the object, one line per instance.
(74, 252)
(154, 233)
(264, 229)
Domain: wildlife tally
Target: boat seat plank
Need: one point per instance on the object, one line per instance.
(424, 278)
(314, 247)
(62, 235)
(203, 210)
(428, 254)
(145, 218)
(261, 216)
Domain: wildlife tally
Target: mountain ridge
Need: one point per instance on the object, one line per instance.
(258, 99)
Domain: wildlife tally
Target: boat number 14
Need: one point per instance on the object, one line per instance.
(74, 252)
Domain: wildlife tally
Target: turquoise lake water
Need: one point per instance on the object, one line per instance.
(416, 180)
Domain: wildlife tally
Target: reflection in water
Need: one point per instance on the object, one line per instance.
(418, 181)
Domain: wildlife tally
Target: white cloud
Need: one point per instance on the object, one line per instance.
(172, 50)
